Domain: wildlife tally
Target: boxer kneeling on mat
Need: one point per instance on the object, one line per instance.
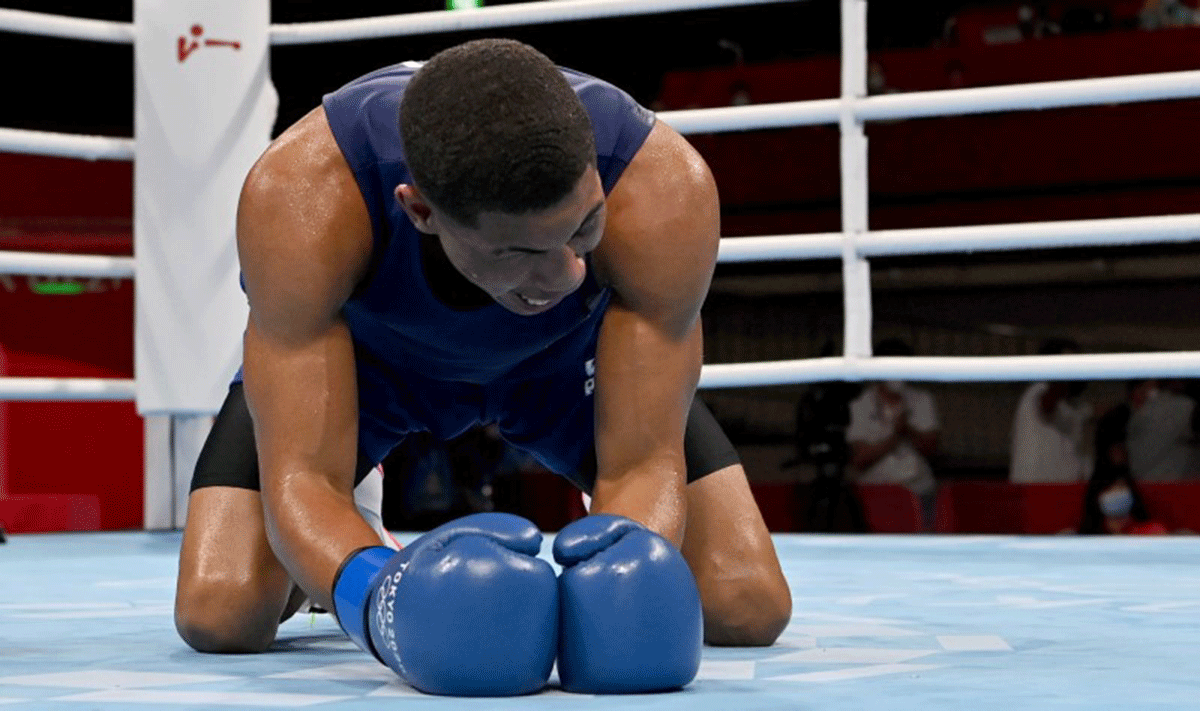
(484, 238)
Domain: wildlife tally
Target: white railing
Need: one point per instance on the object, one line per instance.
(486, 18)
(78, 389)
(65, 145)
(1101, 366)
(946, 102)
(66, 265)
(1024, 97)
(40, 23)
(854, 244)
(935, 240)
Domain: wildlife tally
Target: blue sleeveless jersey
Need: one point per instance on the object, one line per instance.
(425, 366)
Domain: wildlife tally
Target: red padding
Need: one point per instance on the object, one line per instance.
(49, 513)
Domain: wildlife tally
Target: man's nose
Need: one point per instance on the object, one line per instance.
(564, 271)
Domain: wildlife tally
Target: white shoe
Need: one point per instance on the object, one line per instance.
(368, 496)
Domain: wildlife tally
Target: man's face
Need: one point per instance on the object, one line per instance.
(528, 262)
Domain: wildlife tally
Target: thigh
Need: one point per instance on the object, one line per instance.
(726, 535)
(225, 538)
(746, 598)
(230, 582)
(226, 561)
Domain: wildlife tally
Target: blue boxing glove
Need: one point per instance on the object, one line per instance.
(465, 610)
(631, 617)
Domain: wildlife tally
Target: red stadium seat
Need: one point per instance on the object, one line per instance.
(890, 508)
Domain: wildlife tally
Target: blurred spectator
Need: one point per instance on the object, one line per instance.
(822, 417)
(1084, 19)
(1112, 503)
(1159, 14)
(1049, 428)
(1033, 23)
(956, 75)
(877, 80)
(739, 89)
(893, 432)
(1161, 440)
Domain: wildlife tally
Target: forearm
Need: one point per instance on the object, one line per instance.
(312, 527)
(652, 494)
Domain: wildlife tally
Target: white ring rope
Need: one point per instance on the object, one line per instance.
(1184, 364)
(1036, 95)
(1077, 92)
(728, 119)
(68, 265)
(40, 23)
(935, 240)
(529, 13)
(65, 145)
(77, 389)
(1097, 366)
(1042, 95)
(946, 102)
(1033, 235)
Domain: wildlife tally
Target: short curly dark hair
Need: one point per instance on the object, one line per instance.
(493, 126)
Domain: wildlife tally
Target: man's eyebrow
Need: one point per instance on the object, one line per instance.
(529, 250)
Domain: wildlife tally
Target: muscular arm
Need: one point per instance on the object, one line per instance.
(304, 239)
(658, 254)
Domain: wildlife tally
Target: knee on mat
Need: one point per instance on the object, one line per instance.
(224, 617)
(749, 611)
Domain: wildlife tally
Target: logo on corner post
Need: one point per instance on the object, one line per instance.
(185, 46)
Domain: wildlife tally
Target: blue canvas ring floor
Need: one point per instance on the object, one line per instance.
(880, 622)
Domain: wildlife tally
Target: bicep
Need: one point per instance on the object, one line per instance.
(303, 241)
(659, 253)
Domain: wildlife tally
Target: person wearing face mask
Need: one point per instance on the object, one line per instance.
(893, 433)
(1112, 503)
(1049, 428)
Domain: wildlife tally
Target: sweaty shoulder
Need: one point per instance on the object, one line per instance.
(660, 242)
(304, 238)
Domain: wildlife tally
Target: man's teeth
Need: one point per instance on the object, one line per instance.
(533, 302)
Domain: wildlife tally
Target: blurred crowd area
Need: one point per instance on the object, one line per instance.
(1109, 161)
(635, 52)
(1097, 458)
(1093, 162)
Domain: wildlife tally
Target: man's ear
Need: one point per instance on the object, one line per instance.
(416, 207)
